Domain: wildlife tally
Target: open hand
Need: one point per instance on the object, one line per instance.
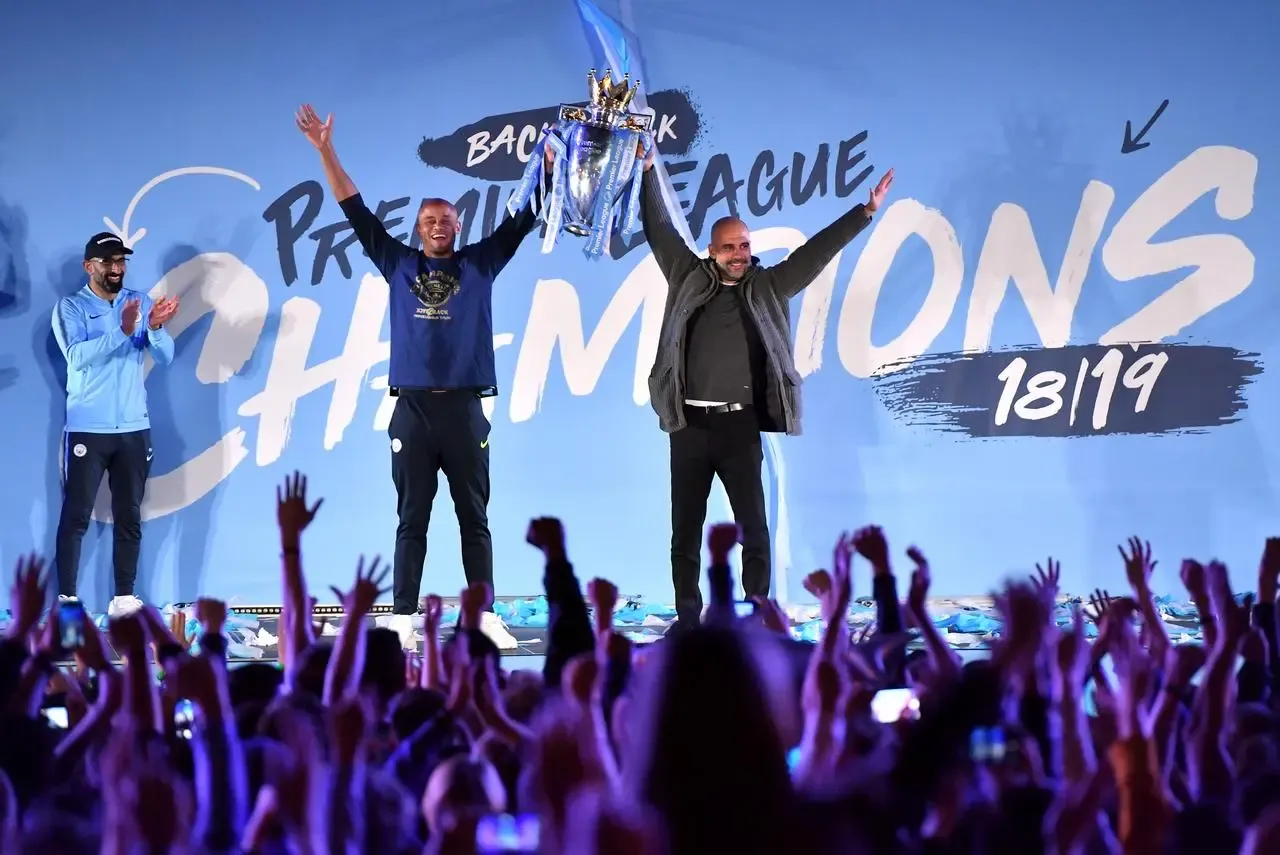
(162, 311)
(1048, 578)
(27, 595)
(359, 601)
(129, 316)
(876, 199)
(1025, 613)
(292, 513)
(318, 133)
(1138, 563)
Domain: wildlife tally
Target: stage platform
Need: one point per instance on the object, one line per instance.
(967, 623)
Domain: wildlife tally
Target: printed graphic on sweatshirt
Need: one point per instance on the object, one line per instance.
(434, 289)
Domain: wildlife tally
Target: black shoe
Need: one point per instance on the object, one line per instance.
(682, 624)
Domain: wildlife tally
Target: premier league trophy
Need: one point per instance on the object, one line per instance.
(595, 149)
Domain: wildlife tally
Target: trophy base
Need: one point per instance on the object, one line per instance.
(577, 231)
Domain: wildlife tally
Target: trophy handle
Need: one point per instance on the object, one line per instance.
(638, 122)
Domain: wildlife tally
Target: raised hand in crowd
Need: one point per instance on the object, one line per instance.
(296, 630)
(730, 736)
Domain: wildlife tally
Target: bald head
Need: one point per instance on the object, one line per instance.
(438, 226)
(730, 248)
(731, 223)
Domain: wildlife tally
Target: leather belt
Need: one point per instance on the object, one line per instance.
(717, 408)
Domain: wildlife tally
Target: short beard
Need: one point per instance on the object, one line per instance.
(109, 286)
(727, 275)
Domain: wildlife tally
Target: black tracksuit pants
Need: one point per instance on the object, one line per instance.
(433, 433)
(125, 458)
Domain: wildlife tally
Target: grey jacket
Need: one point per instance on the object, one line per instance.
(767, 291)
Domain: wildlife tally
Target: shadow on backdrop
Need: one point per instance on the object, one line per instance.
(15, 282)
(64, 278)
(15, 300)
(187, 418)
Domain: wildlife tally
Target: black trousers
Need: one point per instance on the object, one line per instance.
(125, 458)
(433, 433)
(725, 445)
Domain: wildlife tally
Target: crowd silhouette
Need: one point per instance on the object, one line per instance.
(729, 737)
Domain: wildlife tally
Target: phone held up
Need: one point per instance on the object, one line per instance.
(71, 621)
(507, 834)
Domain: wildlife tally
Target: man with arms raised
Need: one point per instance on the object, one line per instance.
(441, 367)
(104, 330)
(724, 372)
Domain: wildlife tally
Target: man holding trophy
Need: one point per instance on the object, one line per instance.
(442, 365)
(724, 372)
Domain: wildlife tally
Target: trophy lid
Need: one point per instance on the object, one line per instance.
(611, 96)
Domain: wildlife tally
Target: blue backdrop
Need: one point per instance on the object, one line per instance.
(969, 379)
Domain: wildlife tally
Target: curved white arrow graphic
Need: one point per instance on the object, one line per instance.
(122, 231)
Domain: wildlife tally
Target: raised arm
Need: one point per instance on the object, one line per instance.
(794, 273)
(675, 259)
(383, 250)
(497, 250)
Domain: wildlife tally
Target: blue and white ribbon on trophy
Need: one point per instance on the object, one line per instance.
(613, 211)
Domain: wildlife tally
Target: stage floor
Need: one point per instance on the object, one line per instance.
(967, 623)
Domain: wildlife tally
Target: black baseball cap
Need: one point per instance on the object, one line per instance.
(104, 245)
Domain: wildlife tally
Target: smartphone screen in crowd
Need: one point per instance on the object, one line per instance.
(507, 834)
(184, 718)
(71, 618)
(987, 745)
(891, 705)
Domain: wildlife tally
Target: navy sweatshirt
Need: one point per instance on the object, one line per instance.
(441, 308)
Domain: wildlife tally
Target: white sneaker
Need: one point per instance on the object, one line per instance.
(493, 627)
(122, 606)
(402, 625)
